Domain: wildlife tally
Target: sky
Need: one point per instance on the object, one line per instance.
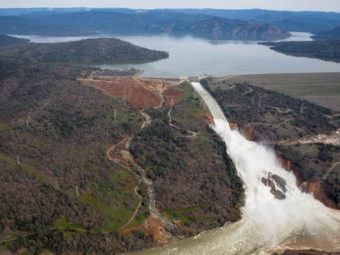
(319, 5)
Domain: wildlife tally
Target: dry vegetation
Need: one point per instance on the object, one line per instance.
(195, 181)
(273, 118)
(319, 88)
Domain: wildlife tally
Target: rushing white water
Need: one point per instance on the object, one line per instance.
(267, 221)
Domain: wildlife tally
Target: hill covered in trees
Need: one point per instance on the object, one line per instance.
(325, 50)
(299, 21)
(331, 35)
(68, 182)
(101, 50)
(227, 29)
(6, 40)
(149, 22)
(179, 149)
(59, 190)
(302, 21)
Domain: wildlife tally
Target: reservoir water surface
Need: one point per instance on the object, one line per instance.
(192, 57)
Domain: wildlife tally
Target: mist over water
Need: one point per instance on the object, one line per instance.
(266, 220)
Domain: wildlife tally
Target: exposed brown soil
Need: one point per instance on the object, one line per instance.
(250, 133)
(209, 118)
(157, 230)
(317, 188)
(140, 93)
(286, 163)
(172, 96)
(233, 125)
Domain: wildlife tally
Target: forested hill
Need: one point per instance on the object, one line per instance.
(227, 29)
(101, 50)
(6, 40)
(300, 21)
(325, 50)
(73, 153)
(149, 22)
(304, 21)
(333, 34)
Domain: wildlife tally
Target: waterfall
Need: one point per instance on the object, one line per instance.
(275, 210)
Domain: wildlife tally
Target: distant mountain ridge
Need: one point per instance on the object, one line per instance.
(226, 29)
(300, 21)
(125, 22)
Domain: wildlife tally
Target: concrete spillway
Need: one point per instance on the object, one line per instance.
(275, 212)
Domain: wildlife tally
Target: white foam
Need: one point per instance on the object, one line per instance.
(268, 220)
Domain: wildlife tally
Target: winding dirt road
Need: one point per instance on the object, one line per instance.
(116, 161)
(133, 216)
(333, 139)
(192, 133)
(126, 160)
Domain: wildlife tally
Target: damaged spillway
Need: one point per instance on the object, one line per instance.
(275, 212)
(275, 208)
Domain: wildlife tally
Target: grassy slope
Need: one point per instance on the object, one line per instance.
(320, 88)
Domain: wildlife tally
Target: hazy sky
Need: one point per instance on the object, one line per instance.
(324, 5)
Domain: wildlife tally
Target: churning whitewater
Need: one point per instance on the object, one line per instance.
(267, 219)
(275, 210)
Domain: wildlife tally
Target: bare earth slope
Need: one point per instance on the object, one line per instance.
(296, 129)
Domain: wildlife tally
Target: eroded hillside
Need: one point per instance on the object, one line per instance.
(304, 135)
